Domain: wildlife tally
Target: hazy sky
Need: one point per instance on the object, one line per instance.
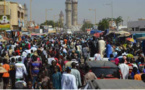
(126, 8)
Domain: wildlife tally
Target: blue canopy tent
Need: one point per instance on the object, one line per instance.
(106, 32)
(95, 31)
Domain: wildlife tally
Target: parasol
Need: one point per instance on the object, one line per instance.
(97, 35)
(124, 35)
(2, 70)
(141, 38)
(130, 39)
(2, 40)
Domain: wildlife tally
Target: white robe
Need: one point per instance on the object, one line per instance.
(124, 70)
(68, 81)
(101, 47)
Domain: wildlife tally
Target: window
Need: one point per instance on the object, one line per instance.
(22, 15)
(18, 14)
(142, 29)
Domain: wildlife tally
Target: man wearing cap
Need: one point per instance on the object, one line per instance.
(68, 80)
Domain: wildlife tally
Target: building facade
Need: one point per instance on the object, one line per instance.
(16, 16)
(137, 25)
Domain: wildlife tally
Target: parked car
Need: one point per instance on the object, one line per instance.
(105, 69)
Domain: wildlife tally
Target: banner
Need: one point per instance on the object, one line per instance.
(4, 22)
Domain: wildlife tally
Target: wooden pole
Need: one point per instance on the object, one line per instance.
(30, 10)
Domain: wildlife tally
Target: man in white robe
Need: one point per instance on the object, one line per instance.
(68, 80)
(101, 47)
(124, 68)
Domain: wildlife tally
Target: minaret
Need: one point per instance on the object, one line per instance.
(68, 13)
(61, 17)
(74, 12)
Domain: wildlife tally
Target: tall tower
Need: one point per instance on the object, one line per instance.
(74, 12)
(68, 13)
(61, 17)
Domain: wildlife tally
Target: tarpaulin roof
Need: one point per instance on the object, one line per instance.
(94, 64)
(95, 31)
(116, 84)
(138, 35)
(37, 34)
(97, 35)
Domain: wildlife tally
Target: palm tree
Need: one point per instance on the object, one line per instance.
(118, 20)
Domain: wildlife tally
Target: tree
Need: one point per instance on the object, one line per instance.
(118, 20)
(59, 24)
(52, 23)
(86, 25)
(104, 24)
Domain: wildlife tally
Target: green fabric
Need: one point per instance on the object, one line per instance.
(130, 56)
(23, 44)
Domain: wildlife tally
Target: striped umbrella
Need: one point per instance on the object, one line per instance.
(130, 39)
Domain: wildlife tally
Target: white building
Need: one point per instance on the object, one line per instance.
(137, 26)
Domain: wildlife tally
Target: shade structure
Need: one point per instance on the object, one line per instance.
(2, 70)
(2, 40)
(138, 35)
(116, 84)
(141, 38)
(97, 35)
(130, 39)
(95, 31)
(106, 32)
(36, 34)
(123, 35)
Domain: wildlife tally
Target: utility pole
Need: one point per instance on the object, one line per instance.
(5, 13)
(46, 11)
(4, 7)
(112, 9)
(46, 15)
(112, 12)
(95, 14)
(30, 10)
(54, 20)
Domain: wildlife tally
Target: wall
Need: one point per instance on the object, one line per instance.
(14, 14)
(140, 24)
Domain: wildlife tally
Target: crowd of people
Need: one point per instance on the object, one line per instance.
(58, 61)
